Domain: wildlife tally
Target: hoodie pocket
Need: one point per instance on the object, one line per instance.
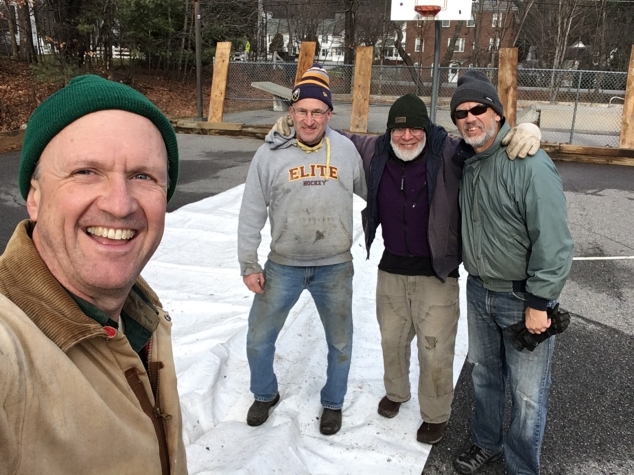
(307, 238)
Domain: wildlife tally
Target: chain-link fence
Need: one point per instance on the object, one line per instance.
(580, 107)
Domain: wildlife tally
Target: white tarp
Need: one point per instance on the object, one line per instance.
(195, 272)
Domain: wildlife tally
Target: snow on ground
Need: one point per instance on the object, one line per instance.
(196, 274)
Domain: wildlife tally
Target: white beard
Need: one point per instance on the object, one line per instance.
(477, 142)
(408, 155)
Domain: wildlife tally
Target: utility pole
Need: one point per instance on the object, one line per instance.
(199, 67)
(435, 70)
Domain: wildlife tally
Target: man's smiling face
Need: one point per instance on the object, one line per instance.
(99, 196)
(477, 129)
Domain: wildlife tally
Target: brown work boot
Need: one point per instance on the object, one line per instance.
(430, 433)
(388, 408)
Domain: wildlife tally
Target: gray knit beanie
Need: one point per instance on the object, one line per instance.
(475, 86)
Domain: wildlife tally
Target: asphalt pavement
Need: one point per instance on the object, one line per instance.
(590, 428)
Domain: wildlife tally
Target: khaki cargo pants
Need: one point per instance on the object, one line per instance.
(425, 307)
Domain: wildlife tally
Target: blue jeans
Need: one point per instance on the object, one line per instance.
(498, 364)
(331, 289)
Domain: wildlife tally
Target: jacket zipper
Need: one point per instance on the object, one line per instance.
(409, 253)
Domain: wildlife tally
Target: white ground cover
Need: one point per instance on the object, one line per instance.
(195, 272)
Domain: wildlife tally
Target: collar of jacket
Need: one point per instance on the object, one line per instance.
(27, 282)
(495, 146)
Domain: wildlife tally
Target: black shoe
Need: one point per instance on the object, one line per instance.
(330, 421)
(431, 433)
(474, 459)
(388, 408)
(259, 411)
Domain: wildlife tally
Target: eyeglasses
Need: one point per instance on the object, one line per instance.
(416, 132)
(477, 110)
(316, 114)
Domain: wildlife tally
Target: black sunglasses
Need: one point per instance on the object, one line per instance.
(477, 110)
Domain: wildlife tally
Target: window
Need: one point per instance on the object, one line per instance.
(494, 43)
(497, 20)
(459, 47)
(324, 52)
(446, 23)
(471, 22)
(419, 45)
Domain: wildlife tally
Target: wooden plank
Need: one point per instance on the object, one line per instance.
(209, 125)
(563, 157)
(306, 58)
(361, 89)
(507, 82)
(627, 124)
(219, 82)
(11, 141)
(245, 131)
(596, 151)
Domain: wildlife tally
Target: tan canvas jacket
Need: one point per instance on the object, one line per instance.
(74, 396)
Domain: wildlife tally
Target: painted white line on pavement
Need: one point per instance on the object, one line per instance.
(602, 258)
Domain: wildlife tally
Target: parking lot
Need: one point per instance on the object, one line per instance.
(590, 424)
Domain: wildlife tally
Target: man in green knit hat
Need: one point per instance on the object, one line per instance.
(84, 340)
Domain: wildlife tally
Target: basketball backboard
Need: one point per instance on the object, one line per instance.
(403, 10)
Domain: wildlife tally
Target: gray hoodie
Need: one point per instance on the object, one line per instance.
(308, 198)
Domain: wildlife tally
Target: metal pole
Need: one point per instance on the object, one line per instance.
(199, 67)
(435, 71)
(574, 113)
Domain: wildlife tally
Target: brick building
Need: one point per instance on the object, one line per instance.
(492, 26)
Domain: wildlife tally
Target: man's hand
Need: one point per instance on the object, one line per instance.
(537, 321)
(254, 282)
(522, 140)
(283, 125)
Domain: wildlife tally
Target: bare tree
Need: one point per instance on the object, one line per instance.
(12, 29)
(27, 47)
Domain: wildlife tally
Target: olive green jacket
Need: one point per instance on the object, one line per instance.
(74, 396)
(514, 223)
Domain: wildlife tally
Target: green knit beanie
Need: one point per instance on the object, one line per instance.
(408, 112)
(82, 96)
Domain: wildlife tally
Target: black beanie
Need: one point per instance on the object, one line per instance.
(475, 86)
(408, 112)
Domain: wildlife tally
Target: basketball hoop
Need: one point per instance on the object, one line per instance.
(429, 8)
(427, 11)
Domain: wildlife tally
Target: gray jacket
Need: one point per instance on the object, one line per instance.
(308, 198)
(514, 223)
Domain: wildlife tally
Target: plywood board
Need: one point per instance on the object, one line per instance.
(361, 89)
(219, 82)
(306, 58)
(627, 124)
(507, 82)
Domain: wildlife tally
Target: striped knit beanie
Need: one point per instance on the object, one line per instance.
(314, 84)
(82, 96)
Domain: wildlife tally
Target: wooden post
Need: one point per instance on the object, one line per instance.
(306, 58)
(361, 89)
(507, 82)
(219, 82)
(627, 124)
